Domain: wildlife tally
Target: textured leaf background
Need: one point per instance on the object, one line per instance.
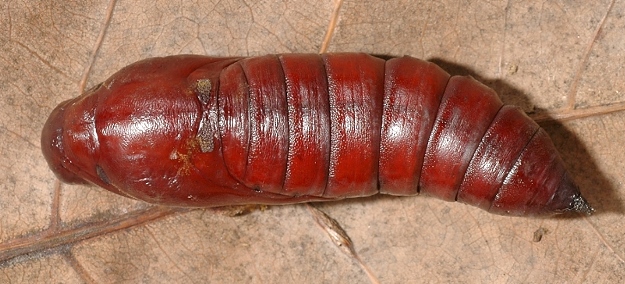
(562, 61)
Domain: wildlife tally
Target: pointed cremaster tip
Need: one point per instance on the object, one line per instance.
(567, 198)
(580, 205)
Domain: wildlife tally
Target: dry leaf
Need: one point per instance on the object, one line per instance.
(562, 61)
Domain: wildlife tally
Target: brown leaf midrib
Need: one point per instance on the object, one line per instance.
(53, 238)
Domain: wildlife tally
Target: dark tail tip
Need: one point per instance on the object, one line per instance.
(580, 205)
(568, 198)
